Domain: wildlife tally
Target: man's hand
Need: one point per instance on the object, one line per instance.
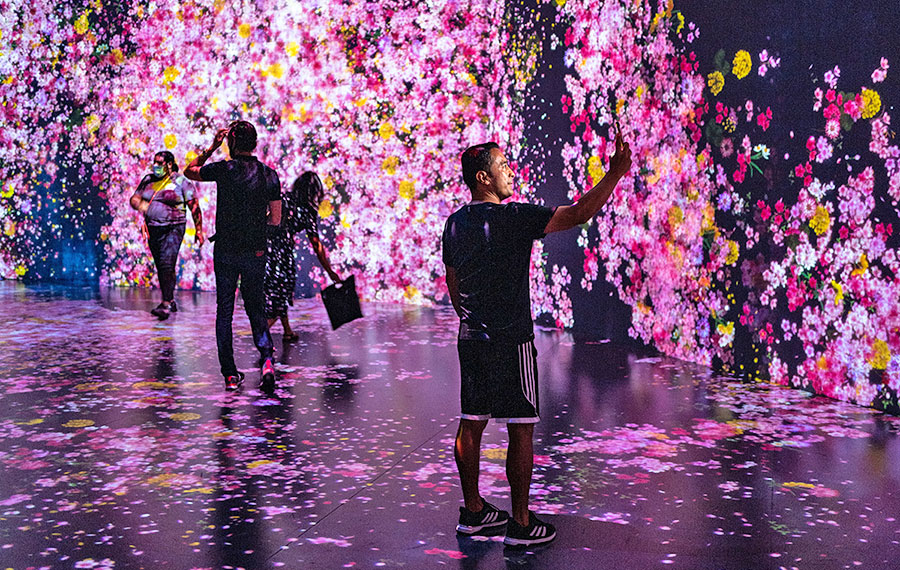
(567, 217)
(620, 163)
(192, 172)
(217, 140)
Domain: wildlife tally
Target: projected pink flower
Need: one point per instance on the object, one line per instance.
(379, 99)
(661, 246)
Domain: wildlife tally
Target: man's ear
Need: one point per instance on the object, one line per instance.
(483, 177)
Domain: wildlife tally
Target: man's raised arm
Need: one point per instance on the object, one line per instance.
(192, 172)
(586, 207)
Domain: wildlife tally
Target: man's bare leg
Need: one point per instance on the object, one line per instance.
(467, 452)
(519, 465)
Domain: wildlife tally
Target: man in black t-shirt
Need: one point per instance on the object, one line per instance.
(487, 254)
(248, 195)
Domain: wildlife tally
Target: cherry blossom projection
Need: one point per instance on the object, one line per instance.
(785, 272)
(744, 238)
(379, 98)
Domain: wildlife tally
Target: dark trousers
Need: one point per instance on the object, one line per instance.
(165, 241)
(250, 268)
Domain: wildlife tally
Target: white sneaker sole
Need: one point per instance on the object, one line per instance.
(528, 541)
(466, 529)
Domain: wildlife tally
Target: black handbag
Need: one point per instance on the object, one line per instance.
(341, 302)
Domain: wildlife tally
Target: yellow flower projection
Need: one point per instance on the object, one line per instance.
(821, 221)
(838, 292)
(881, 355)
(81, 24)
(407, 189)
(715, 81)
(389, 165)
(325, 209)
(78, 423)
(595, 169)
(861, 267)
(676, 216)
(733, 252)
(871, 103)
(170, 74)
(386, 130)
(184, 417)
(742, 64)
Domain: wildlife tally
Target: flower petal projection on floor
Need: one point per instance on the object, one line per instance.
(750, 236)
(120, 448)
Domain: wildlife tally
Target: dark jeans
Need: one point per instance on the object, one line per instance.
(251, 269)
(165, 241)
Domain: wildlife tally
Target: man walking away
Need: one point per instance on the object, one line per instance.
(248, 195)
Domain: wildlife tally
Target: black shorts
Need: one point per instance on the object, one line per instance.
(499, 380)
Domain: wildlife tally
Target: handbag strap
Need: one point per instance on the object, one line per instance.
(156, 191)
(150, 201)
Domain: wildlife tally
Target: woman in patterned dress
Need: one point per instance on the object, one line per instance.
(299, 212)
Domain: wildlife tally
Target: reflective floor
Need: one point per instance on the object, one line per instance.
(119, 448)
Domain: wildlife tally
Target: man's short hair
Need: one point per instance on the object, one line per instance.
(241, 136)
(474, 159)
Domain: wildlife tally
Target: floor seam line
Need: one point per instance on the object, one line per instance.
(365, 486)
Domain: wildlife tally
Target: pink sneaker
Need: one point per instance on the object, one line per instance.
(267, 374)
(232, 383)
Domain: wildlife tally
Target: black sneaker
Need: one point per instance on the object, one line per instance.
(160, 312)
(537, 532)
(173, 308)
(473, 523)
(232, 383)
(267, 373)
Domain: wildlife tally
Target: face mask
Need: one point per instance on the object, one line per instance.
(159, 170)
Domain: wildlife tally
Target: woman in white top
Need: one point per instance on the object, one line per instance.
(162, 196)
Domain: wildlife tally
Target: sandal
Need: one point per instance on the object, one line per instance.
(290, 337)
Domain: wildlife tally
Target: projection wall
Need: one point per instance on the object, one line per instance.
(756, 233)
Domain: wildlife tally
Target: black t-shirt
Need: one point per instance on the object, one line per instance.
(244, 188)
(489, 247)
